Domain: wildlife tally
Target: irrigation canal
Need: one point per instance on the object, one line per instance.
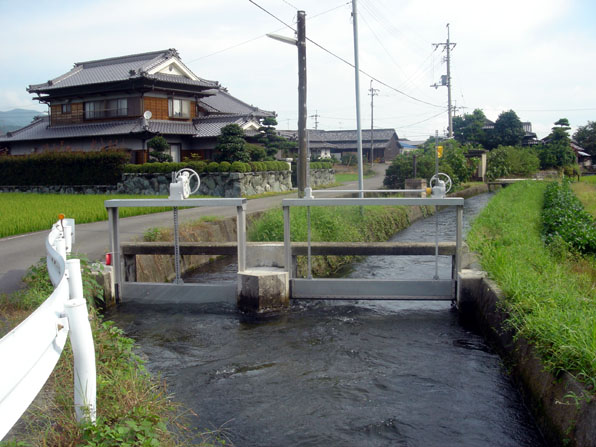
(341, 373)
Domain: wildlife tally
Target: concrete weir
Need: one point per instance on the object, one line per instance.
(564, 410)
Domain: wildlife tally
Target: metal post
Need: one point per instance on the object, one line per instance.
(241, 232)
(302, 155)
(75, 280)
(115, 250)
(81, 340)
(178, 279)
(287, 241)
(449, 108)
(308, 242)
(436, 208)
(357, 85)
(459, 237)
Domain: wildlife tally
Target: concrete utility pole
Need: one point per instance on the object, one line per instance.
(316, 117)
(446, 80)
(357, 83)
(373, 92)
(302, 156)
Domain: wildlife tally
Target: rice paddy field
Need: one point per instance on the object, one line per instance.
(24, 212)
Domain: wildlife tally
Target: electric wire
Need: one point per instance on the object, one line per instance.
(350, 64)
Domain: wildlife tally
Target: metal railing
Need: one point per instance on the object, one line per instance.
(30, 351)
(433, 289)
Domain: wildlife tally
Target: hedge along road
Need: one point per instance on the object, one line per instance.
(18, 253)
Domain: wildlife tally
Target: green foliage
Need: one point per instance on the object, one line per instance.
(331, 224)
(511, 160)
(213, 167)
(509, 130)
(224, 166)
(16, 216)
(63, 168)
(231, 144)
(239, 166)
(256, 152)
(548, 303)
(453, 163)
(321, 165)
(159, 146)
(585, 136)
(564, 217)
(469, 128)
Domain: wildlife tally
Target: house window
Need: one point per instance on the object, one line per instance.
(178, 108)
(106, 109)
(66, 108)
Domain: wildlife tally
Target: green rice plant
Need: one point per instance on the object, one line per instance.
(550, 304)
(25, 213)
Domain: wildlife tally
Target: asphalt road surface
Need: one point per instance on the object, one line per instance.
(18, 253)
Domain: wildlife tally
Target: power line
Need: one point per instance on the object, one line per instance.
(350, 64)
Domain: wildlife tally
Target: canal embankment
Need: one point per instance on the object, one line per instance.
(537, 305)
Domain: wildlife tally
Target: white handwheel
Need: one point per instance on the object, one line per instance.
(441, 176)
(190, 174)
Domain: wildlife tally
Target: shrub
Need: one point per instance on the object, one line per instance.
(224, 166)
(512, 160)
(212, 167)
(564, 217)
(238, 166)
(63, 168)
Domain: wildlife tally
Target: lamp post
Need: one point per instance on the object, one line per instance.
(300, 42)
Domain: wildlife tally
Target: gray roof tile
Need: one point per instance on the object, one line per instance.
(223, 102)
(117, 69)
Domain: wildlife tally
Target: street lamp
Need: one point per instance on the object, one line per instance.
(300, 42)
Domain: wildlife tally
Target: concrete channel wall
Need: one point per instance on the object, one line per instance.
(564, 410)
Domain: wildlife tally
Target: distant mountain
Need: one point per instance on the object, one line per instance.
(16, 118)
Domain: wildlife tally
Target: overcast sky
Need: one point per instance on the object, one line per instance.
(533, 56)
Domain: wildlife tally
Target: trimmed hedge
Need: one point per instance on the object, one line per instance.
(321, 165)
(63, 168)
(201, 167)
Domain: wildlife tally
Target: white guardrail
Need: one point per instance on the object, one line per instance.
(30, 351)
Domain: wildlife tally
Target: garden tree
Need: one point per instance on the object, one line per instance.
(159, 146)
(256, 152)
(270, 139)
(231, 145)
(556, 152)
(509, 130)
(512, 160)
(585, 136)
(469, 128)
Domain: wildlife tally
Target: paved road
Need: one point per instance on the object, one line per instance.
(17, 253)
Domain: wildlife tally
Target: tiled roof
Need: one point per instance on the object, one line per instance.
(223, 102)
(118, 69)
(339, 139)
(201, 127)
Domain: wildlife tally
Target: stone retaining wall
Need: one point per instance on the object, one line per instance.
(218, 184)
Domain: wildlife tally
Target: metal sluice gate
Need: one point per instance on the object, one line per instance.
(372, 289)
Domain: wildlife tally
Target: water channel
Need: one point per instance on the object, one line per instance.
(339, 373)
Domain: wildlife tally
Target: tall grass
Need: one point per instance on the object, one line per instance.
(25, 213)
(550, 303)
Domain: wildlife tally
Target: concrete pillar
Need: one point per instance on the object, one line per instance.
(469, 290)
(262, 290)
(415, 183)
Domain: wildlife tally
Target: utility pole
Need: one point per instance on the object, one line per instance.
(357, 84)
(302, 156)
(446, 80)
(373, 92)
(316, 117)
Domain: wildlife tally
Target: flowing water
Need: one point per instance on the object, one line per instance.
(338, 373)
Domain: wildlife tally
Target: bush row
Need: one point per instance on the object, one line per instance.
(512, 160)
(202, 167)
(321, 165)
(564, 218)
(63, 168)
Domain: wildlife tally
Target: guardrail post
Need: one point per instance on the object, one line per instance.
(75, 280)
(83, 351)
(115, 249)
